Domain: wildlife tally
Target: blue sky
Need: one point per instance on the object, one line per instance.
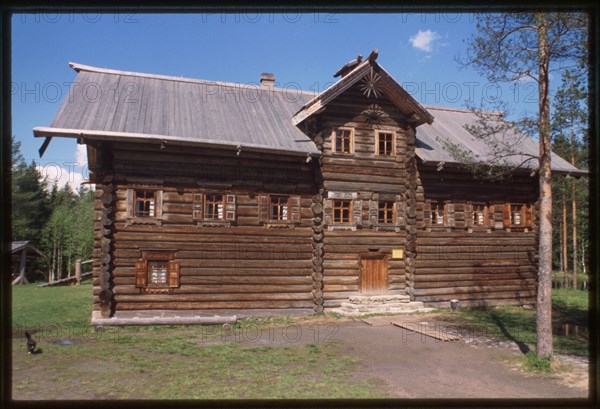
(303, 50)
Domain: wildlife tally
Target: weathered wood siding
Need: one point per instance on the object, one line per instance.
(244, 266)
(365, 173)
(481, 267)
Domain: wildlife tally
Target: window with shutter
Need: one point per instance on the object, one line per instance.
(144, 205)
(357, 212)
(230, 208)
(449, 214)
(263, 208)
(506, 218)
(296, 208)
(399, 211)
(469, 214)
(141, 273)
(156, 272)
(328, 212)
(173, 270)
(197, 207)
(427, 213)
(374, 211)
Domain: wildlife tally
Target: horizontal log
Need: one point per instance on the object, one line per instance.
(129, 271)
(423, 278)
(214, 305)
(475, 270)
(472, 290)
(471, 263)
(475, 284)
(507, 297)
(108, 322)
(131, 289)
(232, 297)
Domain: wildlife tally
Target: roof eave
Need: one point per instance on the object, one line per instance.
(83, 134)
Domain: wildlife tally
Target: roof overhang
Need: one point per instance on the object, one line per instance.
(440, 165)
(91, 135)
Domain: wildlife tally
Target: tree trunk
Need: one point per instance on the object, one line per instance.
(574, 209)
(583, 266)
(564, 233)
(544, 285)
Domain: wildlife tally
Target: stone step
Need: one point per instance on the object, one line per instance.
(355, 313)
(348, 306)
(379, 299)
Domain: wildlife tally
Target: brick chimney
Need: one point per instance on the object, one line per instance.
(267, 80)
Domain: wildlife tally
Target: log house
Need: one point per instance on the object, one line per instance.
(228, 199)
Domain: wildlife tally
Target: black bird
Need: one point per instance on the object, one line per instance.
(349, 66)
(30, 343)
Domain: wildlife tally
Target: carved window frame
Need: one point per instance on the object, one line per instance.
(143, 272)
(132, 217)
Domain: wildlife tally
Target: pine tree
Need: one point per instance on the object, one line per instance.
(510, 47)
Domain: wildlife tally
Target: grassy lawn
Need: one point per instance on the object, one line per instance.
(569, 316)
(168, 362)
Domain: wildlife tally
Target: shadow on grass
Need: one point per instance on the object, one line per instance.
(523, 347)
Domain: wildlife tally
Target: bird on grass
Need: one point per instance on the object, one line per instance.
(31, 344)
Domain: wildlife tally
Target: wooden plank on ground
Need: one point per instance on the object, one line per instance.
(376, 321)
(422, 329)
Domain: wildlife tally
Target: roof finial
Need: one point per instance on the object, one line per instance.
(348, 67)
(373, 56)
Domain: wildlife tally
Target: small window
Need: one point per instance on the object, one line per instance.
(157, 273)
(145, 203)
(385, 143)
(213, 206)
(437, 214)
(386, 212)
(279, 206)
(342, 209)
(342, 141)
(479, 216)
(517, 215)
(516, 218)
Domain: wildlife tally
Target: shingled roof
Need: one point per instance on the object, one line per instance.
(115, 105)
(106, 104)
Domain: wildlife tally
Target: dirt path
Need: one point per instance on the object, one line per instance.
(416, 366)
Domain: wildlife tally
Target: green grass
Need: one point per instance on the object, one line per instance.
(516, 324)
(62, 305)
(169, 362)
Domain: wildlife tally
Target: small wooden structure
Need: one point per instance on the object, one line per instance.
(228, 199)
(23, 254)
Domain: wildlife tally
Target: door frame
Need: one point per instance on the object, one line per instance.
(373, 255)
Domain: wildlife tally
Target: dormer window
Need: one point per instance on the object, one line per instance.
(342, 140)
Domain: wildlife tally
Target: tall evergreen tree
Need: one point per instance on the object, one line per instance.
(30, 208)
(510, 47)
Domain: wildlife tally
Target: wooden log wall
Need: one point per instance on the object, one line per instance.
(479, 267)
(364, 173)
(244, 266)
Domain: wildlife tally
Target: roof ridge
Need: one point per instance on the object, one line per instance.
(254, 86)
(466, 110)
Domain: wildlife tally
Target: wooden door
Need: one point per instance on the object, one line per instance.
(373, 274)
